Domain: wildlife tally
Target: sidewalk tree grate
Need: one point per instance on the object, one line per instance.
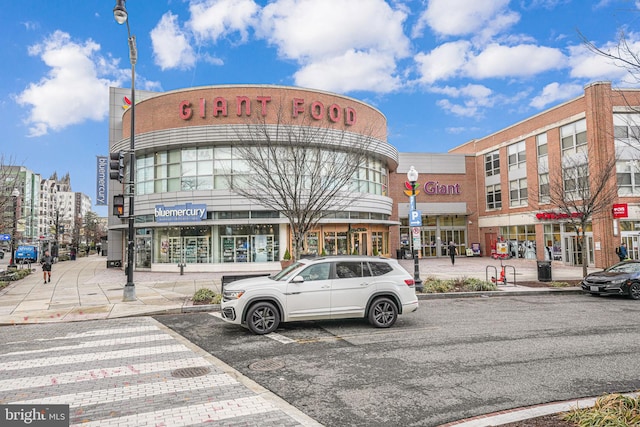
(196, 371)
(267, 365)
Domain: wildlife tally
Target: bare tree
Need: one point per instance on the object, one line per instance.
(582, 194)
(623, 55)
(9, 174)
(302, 170)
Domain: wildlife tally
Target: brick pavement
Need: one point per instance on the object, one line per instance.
(127, 372)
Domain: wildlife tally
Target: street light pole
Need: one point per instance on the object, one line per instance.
(121, 16)
(412, 176)
(14, 195)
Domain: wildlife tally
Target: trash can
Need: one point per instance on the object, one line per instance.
(544, 271)
(398, 253)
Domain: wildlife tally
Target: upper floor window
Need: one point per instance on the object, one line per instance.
(628, 175)
(626, 128)
(494, 196)
(574, 137)
(492, 163)
(544, 195)
(517, 155)
(518, 192)
(576, 181)
(541, 142)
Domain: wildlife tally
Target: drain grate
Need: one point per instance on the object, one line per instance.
(196, 371)
(267, 365)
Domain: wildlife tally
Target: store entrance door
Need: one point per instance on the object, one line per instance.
(359, 243)
(573, 250)
(143, 252)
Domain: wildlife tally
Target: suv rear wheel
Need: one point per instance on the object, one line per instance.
(383, 313)
(263, 318)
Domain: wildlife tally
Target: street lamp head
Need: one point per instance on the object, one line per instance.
(15, 192)
(412, 175)
(120, 12)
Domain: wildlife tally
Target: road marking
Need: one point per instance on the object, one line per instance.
(103, 343)
(118, 394)
(280, 338)
(100, 373)
(91, 357)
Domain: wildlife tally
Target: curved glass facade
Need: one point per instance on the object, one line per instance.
(213, 168)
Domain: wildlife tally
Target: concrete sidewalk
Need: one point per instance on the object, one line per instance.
(85, 289)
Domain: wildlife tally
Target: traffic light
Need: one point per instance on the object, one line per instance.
(116, 166)
(118, 205)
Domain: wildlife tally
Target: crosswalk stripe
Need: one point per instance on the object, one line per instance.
(127, 330)
(99, 373)
(118, 394)
(99, 356)
(189, 415)
(92, 344)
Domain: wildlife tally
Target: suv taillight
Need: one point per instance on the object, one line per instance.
(409, 282)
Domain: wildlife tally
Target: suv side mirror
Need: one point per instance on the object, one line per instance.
(297, 279)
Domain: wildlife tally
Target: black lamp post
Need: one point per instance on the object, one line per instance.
(121, 17)
(14, 195)
(412, 176)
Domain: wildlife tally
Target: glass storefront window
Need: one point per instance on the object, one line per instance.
(216, 244)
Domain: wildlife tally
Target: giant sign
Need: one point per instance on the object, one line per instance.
(245, 106)
(180, 213)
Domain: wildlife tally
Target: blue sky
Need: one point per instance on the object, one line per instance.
(442, 71)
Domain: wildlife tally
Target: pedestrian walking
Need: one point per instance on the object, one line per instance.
(453, 251)
(622, 251)
(46, 261)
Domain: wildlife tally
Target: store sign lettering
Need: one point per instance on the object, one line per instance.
(620, 210)
(180, 213)
(244, 107)
(434, 187)
(557, 215)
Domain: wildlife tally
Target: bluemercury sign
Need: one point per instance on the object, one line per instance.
(180, 213)
(101, 182)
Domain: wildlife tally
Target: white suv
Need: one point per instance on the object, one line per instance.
(322, 288)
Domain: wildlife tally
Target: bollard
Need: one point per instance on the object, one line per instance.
(182, 266)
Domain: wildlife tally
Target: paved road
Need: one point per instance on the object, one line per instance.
(451, 360)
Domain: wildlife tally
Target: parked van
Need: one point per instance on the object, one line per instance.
(26, 254)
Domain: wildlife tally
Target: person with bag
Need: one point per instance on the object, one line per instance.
(453, 251)
(46, 261)
(622, 251)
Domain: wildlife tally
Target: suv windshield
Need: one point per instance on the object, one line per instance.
(286, 273)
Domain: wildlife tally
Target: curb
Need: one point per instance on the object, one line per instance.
(499, 293)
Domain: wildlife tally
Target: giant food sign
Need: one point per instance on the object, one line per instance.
(620, 210)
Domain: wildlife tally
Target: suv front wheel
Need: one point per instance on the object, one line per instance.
(383, 313)
(263, 318)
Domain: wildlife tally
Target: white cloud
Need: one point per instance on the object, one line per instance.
(171, 48)
(350, 72)
(463, 110)
(586, 64)
(464, 17)
(325, 36)
(514, 61)
(73, 90)
(213, 19)
(444, 62)
(555, 92)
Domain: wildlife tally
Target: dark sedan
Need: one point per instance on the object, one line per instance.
(619, 279)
